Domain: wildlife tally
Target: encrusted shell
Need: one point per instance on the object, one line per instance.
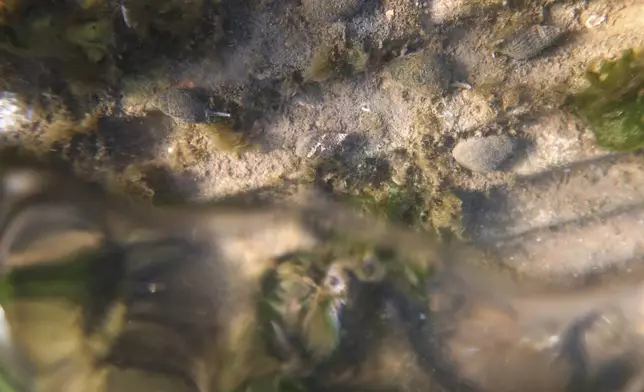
(182, 104)
(529, 42)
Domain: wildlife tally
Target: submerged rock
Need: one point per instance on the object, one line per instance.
(485, 154)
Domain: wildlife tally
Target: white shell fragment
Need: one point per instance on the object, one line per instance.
(316, 145)
(594, 21)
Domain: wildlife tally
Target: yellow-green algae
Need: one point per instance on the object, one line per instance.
(613, 104)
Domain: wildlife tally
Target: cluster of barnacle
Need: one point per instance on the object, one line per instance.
(304, 296)
(613, 103)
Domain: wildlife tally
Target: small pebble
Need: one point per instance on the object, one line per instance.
(484, 154)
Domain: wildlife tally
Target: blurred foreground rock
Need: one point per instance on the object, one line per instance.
(305, 294)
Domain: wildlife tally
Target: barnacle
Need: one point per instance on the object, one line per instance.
(306, 301)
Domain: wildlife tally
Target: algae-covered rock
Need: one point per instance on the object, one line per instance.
(48, 31)
(95, 38)
(335, 55)
(224, 137)
(325, 64)
(613, 104)
(422, 71)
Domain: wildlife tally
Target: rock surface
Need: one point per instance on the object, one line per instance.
(422, 71)
(485, 154)
(329, 11)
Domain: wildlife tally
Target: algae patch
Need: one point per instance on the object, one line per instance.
(613, 104)
(421, 71)
(335, 56)
(224, 138)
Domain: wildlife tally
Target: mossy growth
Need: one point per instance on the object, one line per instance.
(130, 183)
(439, 213)
(94, 37)
(325, 63)
(57, 128)
(613, 104)
(64, 33)
(395, 203)
(224, 138)
(445, 215)
(333, 59)
(418, 201)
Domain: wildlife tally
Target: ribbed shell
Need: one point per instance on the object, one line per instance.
(181, 104)
(529, 42)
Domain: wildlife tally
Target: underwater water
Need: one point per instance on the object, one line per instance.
(321, 195)
(100, 294)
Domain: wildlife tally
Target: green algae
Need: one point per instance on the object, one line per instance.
(613, 104)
